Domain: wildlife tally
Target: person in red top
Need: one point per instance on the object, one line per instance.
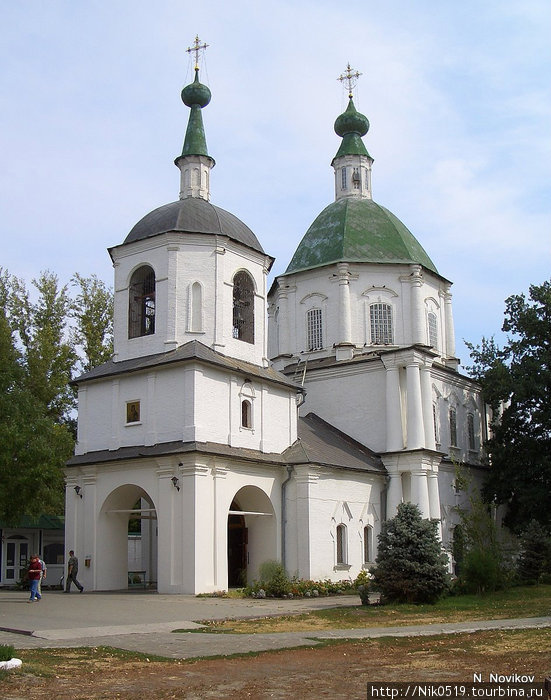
(35, 572)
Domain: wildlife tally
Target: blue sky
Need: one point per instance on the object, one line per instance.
(458, 96)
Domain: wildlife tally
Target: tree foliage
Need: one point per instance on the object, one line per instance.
(516, 382)
(411, 567)
(46, 337)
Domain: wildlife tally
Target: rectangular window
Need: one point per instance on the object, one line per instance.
(133, 412)
(433, 330)
(453, 427)
(343, 178)
(314, 329)
(380, 316)
(470, 430)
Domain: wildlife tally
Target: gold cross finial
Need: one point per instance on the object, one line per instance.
(351, 78)
(197, 48)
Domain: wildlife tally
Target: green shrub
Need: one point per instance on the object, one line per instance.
(410, 565)
(274, 579)
(7, 652)
(533, 555)
(482, 572)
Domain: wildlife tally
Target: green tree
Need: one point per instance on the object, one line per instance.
(516, 382)
(534, 548)
(410, 565)
(92, 311)
(33, 448)
(47, 353)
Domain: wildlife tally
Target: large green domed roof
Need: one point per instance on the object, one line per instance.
(357, 230)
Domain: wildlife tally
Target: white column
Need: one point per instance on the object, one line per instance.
(171, 338)
(415, 429)
(151, 412)
(345, 321)
(219, 297)
(394, 494)
(418, 334)
(426, 398)
(450, 332)
(420, 491)
(283, 320)
(434, 499)
(116, 414)
(394, 432)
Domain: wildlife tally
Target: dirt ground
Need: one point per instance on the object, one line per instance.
(337, 671)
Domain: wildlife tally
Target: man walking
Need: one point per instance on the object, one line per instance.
(72, 571)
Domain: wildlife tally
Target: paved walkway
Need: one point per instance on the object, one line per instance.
(145, 622)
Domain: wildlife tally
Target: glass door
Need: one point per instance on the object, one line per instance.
(16, 558)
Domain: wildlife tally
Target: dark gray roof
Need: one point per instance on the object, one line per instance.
(194, 350)
(319, 443)
(193, 215)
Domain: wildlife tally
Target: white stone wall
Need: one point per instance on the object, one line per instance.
(186, 402)
(390, 284)
(179, 261)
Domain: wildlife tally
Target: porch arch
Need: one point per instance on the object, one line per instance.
(112, 536)
(253, 527)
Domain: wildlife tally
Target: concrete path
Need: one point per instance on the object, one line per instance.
(144, 622)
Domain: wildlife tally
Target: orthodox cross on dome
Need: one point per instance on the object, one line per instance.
(197, 48)
(351, 77)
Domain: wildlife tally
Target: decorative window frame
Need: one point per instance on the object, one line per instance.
(312, 302)
(245, 332)
(432, 308)
(142, 302)
(247, 396)
(379, 295)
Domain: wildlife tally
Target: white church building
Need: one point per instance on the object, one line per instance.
(241, 424)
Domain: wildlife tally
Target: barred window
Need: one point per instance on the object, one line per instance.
(453, 427)
(243, 307)
(141, 303)
(356, 179)
(343, 178)
(433, 330)
(470, 431)
(341, 544)
(314, 329)
(380, 316)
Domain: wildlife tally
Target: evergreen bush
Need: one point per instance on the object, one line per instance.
(533, 555)
(410, 565)
(7, 652)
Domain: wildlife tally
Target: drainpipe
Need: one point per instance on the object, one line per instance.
(284, 513)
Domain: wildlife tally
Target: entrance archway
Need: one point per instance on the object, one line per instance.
(252, 535)
(128, 502)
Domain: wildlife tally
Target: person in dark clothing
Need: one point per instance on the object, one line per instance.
(72, 571)
(34, 574)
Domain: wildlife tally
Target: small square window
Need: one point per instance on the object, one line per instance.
(133, 412)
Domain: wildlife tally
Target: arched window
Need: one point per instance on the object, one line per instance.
(470, 431)
(314, 329)
(341, 544)
(246, 414)
(243, 307)
(380, 317)
(343, 178)
(433, 329)
(141, 303)
(196, 308)
(356, 179)
(453, 427)
(368, 544)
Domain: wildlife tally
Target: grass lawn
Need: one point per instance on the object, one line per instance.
(523, 601)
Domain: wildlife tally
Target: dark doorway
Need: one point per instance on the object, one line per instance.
(237, 549)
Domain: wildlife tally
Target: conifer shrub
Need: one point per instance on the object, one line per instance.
(410, 565)
(274, 579)
(532, 562)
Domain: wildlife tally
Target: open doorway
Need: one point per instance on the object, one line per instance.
(237, 548)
